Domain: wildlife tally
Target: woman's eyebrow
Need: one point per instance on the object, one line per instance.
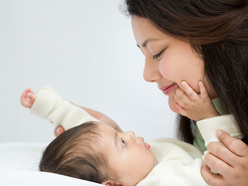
(144, 44)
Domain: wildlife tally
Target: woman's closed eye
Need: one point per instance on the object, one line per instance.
(123, 143)
(158, 55)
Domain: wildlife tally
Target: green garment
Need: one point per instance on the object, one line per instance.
(199, 141)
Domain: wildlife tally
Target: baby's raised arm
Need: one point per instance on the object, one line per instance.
(63, 114)
(50, 106)
(192, 105)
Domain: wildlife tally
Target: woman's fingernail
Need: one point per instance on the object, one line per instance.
(218, 133)
(183, 83)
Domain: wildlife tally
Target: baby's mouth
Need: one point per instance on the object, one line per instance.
(147, 146)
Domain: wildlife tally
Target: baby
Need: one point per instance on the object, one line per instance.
(92, 150)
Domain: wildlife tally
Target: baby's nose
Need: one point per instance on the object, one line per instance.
(131, 135)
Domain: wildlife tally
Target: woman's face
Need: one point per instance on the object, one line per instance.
(168, 61)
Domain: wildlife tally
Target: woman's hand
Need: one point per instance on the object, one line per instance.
(98, 115)
(230, 161)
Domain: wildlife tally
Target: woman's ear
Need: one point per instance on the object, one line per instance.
(111, 183)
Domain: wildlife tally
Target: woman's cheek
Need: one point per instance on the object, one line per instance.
(192, 82)
(168, 69)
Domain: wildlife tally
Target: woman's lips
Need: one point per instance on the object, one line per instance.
(167, 89)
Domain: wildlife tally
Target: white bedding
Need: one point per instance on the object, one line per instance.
(19, 166)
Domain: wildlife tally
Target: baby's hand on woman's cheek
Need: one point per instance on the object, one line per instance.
(180, 97)
(193, 105)
(187, 100)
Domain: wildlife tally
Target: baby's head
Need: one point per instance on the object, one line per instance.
(97, 152)
(74, 153)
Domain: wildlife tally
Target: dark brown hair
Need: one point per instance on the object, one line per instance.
(218, 31)
(74, 153)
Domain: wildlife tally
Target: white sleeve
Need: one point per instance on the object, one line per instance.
(208, 127)
(50, 106)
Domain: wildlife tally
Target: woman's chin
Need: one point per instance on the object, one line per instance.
(172, 105)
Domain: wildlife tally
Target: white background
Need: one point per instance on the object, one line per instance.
(86, 51)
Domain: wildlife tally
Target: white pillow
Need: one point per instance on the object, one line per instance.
(19, 166)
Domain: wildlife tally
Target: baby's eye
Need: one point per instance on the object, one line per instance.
(123, 143)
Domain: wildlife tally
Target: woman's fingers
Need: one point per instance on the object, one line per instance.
(232, 143)
(209, 177)
(229, 159)
(234, 174)
(216, 164)
(222, 152)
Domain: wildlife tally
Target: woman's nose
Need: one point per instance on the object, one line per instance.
(151, 72)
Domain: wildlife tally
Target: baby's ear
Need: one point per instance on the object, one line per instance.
(111, 183)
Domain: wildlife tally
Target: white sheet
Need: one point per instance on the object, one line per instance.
(19, 166)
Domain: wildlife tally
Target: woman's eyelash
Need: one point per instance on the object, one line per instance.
(123, 143)
(158, 55)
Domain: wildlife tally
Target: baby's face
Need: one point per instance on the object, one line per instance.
(130, 158)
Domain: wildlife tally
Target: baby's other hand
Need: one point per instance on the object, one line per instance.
(59, 130)
(28, 98)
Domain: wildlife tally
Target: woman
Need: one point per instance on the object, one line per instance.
(200, 41)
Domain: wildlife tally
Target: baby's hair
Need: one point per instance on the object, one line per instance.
(74, 153)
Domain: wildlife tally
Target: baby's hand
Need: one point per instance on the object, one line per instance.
(192, 105)
(28, 98)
